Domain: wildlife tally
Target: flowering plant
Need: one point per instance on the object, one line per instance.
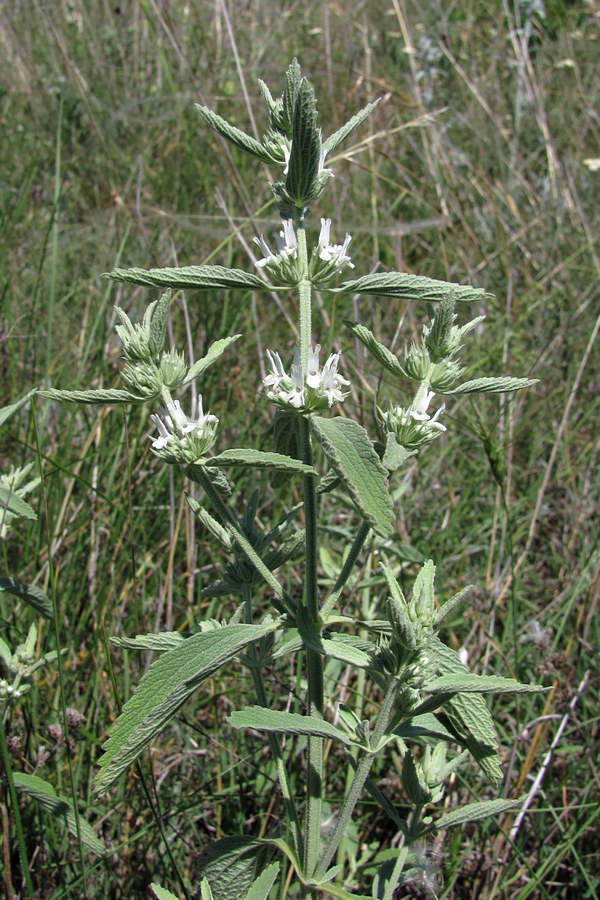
(430, 709)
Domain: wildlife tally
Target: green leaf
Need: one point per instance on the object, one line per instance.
(492, 385)
(409, 287)
(384, 356)
(60, 807)
(262, 719)
(472, 812)
(162, 893)
(8, 411)
(171, 679)
(468, 715)
(215, 351)
(200, 278)
(259, 459)
(164, 640)
(93, 397)
(303, 168)
(158, 323)
(351, 125)
(426, 725)
(263, 884)
(28, 592)
(205, 891)
(293, 80)
(233, 134)
(452, 603)
(348, 649)
(480, 684)
(395, 455)
(15, 504)
(230, 865)
(350, 453)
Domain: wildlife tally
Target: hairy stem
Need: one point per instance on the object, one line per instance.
(360, 776)
(314, 665)
(261, 694)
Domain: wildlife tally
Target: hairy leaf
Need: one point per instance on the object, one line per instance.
(8, 411)
(164, 640)
(263, 884)
(468, 715)
(95, 398)
(162, 893)
(472, 812)
(303, 168)
(60, 807)
(14, 504)
(233, 134)
(335, 139)
(259, 459)
(215, 351)
(479, 684)
(262, 719)
(28, 592)
(384, 356)
(230, 865)
(492, 385)
(350, 453)
(171, 679)
(409, 287)
(201, 278)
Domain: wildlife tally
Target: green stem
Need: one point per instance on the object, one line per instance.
(360, 776)
(344, 575)
(314, 665)
(259, 686)
(7, 765)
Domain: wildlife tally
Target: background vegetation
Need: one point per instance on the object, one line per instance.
(480, 165)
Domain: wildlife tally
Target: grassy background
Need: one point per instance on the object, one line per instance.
(473, 168)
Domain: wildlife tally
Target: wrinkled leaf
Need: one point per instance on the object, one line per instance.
(234, 135)
(215, 351)
(472, 812)
(262, 719)
(263, 884)
(59, 807)
(200, 278)
(350, 453)
(164, 640)
(381, 353)
(409, 287)
(335, 139)
(95, 398)
(171, 679)
(162, 893)
(479, 684)
(8, 411)
(14, 504)
(230, 865)
(492, 385)
(259, 459)
(28, 592)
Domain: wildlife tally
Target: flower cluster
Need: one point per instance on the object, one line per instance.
(328, 260)
(282, 265)
(181, 440)
(412, 426)
(320, 390)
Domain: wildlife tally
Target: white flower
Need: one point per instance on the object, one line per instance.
(282, 265)
(413, 426)
(329, 260)
(321, 388)
(181, 439)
